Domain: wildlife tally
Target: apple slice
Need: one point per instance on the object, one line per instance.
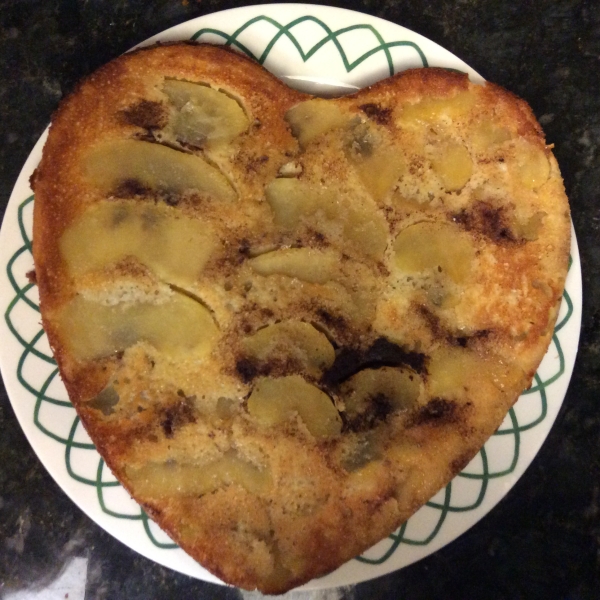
(203, 115)
(154, 167)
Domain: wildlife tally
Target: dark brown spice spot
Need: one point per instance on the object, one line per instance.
(170, 198)
(255, 163)
(145, 136)
(129, 188)
(178, 414)
(377, 112)
(244, 248)
(378, 410)
(319, 239)
(146, 114)
(389, 354)
(132, 188)
(438, 411)
(336, 322)
(31, 276)
(433, 321)
(488, 220)
(464, 340)
(382, 353)
(246, 369)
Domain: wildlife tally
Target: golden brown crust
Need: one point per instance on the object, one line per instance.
(419, 226)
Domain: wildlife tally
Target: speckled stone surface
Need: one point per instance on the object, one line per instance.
(543, 539)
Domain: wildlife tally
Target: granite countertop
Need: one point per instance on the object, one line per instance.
(542, 540)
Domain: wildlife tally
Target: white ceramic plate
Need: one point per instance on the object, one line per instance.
(320, 50)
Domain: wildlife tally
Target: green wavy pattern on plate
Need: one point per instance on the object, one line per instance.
(285, 31)
(402, 536)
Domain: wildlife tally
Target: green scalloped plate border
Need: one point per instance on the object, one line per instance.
(331, 45)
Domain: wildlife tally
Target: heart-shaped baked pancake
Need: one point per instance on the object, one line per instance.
(286, 322)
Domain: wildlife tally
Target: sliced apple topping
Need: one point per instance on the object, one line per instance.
(306, 264)
(439, 295)
(529, 229)
(173, 246)
(274, 401)
(291, 199)
(203, 115)
(453, 164)
(313, 118)
(533, 167)
(371, 480)
(105, 401)
(373, 394)
(226, 408)
(176, 326)
(435, 247)
(453, 371)
(293, 340)
(378, 164)
(324, 209)
(154, 167)
(449, 370)
(431, 110)
(486, 136)
(164, 480)
(361, 452)
(380, 171)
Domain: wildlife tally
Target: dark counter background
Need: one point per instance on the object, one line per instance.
(542, 540)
